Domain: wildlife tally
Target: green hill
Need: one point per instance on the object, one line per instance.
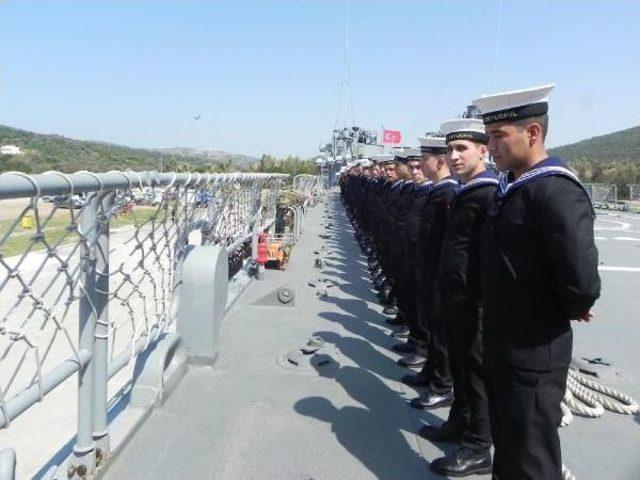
(54, 152)
(622, 146)
(612, 158)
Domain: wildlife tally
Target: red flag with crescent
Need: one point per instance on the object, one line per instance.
(391, 137)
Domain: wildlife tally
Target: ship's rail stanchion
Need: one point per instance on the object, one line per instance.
(90, 275)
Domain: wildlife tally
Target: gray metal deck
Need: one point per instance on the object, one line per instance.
(255, 416)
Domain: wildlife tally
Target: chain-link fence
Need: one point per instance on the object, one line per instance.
(602, 195)
(88, 264)
(634, 193)
(309, 186)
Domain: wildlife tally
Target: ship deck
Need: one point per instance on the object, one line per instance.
(345, 415)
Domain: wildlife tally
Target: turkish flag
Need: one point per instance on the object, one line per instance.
(391, 136)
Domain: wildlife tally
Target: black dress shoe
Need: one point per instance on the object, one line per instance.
(444, 433)
(392, 310)
(395, 321)
(386, 296)
(380, 284)
(402, 332)
(429, 401)
(463, 462)
(404, 347)
(412, 360)
(415, 380)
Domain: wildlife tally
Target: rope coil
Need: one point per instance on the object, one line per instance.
(589, 398)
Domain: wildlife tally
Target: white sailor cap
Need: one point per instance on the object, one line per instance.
(514, 105)
(433, 145)
(404, 154)
(383, 159)
(464, 129)
(364, 162)
(412, 153)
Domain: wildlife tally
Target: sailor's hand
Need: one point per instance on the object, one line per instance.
(586, 317)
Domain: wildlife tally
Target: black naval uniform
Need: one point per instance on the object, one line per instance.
(459, 283)
(403, 207)
(421, 194)
(429, 307)
(388, 230)
(539, 272)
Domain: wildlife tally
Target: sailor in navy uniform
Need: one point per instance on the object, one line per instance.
(423, 185)
(374, 209)
(399, 234)
(459, 286)
(539, 272)
(414, 349)
(388, 203)
(435, 374)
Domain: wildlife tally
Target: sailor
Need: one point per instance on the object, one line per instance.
(402, 207)
(416, 345)
(366, 194)
(539, 272)
(396, 205)
(375, 191)
(459, 285)
(387, 198)
(435, 374)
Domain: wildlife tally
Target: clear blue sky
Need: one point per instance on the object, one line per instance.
(265, 75)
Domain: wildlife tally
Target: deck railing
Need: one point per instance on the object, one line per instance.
(309, 186)
(88, 265)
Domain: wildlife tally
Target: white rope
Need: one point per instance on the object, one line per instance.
(566, 474)
(588, 398)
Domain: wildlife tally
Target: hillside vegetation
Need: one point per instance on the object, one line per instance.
(53, 152)
(611, 158)
(42, 152)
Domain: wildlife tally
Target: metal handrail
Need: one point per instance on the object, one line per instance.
(237, 205)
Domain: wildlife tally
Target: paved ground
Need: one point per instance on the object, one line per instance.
(248, 417)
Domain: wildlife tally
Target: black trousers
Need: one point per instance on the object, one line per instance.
(470, 409)
(525, 414)
(431, 322)
(400, 274)
(409, 308)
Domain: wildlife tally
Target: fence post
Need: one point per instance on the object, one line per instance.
(83, 461)
(255, 231)
(100, 354)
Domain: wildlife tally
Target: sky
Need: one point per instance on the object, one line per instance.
(266, 75)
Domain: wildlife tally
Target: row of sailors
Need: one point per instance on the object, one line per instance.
(487, 273)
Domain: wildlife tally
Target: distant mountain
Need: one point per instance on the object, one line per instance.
(622, 146)
(40, 152)
(212, 155)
